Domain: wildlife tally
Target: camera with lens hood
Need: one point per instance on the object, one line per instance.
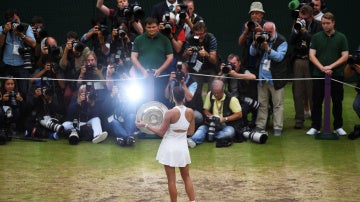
(214, 125)
(254, 104)
(19, 27)
(25, 53)
(183, 10)
(12, 98)
(179, 75)
(227, 68)
(299, 24)
(256, 136)
(77, 45)
(264, 36)
(52, 124)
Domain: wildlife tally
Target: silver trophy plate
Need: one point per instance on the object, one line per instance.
(151, 113)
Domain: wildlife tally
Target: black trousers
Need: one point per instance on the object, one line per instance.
(337, 96)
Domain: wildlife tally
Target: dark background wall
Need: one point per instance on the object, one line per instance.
(224, 18)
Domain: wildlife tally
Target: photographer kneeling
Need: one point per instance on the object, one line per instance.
(44, 119)
(193, 97)
(241, 88)
(223, 113)
(83, 118)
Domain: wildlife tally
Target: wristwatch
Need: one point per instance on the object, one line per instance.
(23, 37)
(226, 119)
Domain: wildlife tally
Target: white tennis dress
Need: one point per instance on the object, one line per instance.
(173, 150)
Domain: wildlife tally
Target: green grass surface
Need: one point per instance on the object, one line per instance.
(292, 167)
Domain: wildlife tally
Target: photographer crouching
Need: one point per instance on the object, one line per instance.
(193, 99)
(223, 114)
(43, 121)
(12, 104)
(83, 118)
(241, 88)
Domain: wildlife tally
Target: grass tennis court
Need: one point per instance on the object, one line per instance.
(292, 167)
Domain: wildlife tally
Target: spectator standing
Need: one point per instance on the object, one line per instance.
(328, 53)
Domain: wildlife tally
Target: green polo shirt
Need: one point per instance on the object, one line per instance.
(152, 51)
(328, 50)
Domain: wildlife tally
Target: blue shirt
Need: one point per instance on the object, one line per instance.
(11, 55)
(275, 55)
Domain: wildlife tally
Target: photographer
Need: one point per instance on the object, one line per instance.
(43, 121)
(120, 51)
(221, 109)
(91, 71)
(186, 16)
(353, 67)
(18, 39)
(132, 19)
(201, 53)
(98, 39)
(304, 27)
(270, 49)
(50, 69)
(12, 105)
(193, 97)
(38, 27)
(175, 33)
(241, 87)
(85, 112)
(120, 114)
(71, 61)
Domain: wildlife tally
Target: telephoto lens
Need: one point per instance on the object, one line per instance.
(211, 132)
(255, 136)
(74, 137)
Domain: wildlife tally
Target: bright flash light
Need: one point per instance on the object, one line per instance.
(134, 92)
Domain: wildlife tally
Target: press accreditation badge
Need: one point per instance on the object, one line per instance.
(198, 65)
(16, 50)
(266, 65)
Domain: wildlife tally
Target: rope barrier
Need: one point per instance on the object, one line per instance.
(167, 75)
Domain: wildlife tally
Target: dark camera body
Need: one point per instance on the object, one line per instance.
(251, 26)
(104, 30)
(264, 36)
(183, 10)
(354, 59)
(121, 32)
(227, 68)
(12, 98)
(299, 24)
(179, 75)
(78, 45)
(25, 53)
(46, 90)
(214, 125)
(133, 10)
(90, 92)
(20, 27)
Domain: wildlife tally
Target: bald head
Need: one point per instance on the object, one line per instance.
(270, 28)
